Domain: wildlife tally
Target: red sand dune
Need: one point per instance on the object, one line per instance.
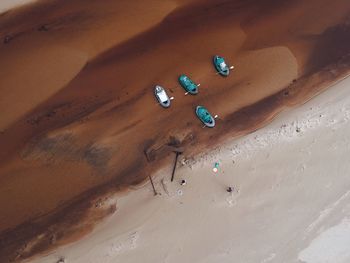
(77, 104)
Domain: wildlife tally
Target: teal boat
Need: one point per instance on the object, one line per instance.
(221, 66)
(188, 84)
(205, 117)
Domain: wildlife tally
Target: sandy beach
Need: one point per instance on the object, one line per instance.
(78, 111)
(7, 5)
(290, 201)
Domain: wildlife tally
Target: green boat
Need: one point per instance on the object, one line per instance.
(221, 66)
(205, 117)
(188, 84)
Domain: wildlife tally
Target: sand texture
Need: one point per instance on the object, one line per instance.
(78, 111)
(290, 201)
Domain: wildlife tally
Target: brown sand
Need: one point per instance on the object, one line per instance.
(77, 95)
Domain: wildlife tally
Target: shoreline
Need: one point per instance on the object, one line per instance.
(104, 205)
(145, 220)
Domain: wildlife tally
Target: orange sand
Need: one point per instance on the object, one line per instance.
(77, 94)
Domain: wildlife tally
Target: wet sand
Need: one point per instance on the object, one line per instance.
(78, 110)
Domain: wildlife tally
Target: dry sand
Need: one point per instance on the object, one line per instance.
(78, 110)
(7, 5)
(290, 203)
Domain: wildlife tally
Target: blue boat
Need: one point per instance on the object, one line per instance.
(221, 66)
(188, 84)
(205, 117)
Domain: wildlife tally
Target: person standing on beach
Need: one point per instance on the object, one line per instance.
(230, 189)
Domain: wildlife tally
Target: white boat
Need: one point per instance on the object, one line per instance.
(162, 96)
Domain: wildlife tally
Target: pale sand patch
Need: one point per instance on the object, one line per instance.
(285, 175)
(331, 245)
(6, 5)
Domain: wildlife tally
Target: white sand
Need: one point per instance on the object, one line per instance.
(6, 5)
(334, 244)
(291, 199)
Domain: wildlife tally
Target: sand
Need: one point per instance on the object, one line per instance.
(78, 104)
(7, 5)
(290, 201)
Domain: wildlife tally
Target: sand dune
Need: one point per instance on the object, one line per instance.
(78, 105)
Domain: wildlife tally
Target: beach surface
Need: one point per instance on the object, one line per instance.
(290, 199)
(7, 5)
(77, 104)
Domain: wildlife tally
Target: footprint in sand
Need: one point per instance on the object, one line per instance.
(129, 243)
(232, 198)
(133, 240)
(231, 201)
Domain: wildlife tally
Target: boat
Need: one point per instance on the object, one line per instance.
(221, 66)
(188, 84)
(205, 117)
(162, 96)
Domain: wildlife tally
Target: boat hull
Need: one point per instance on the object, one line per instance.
(210, 124)
(188, 85)
(164, 104)
(216, 61)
